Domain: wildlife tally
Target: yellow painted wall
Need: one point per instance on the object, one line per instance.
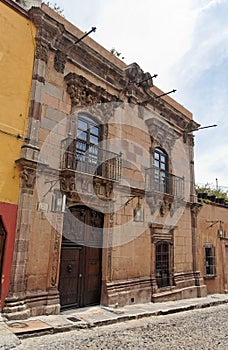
(17, 44)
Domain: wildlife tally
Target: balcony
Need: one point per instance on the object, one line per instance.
(90, 159)
(161, 181)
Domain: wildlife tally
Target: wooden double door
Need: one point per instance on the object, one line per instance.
(81, 258)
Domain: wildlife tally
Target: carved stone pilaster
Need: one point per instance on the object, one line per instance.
(55, 261)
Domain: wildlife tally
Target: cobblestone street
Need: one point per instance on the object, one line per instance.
(198, 329)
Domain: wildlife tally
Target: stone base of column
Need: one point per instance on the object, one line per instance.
(15, 308)
(34, 304)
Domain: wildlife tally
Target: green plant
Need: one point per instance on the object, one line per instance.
(116, 53)
(55, 7)
(217, 192)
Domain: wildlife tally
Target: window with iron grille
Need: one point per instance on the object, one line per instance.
(162, 264)
(209, 255)
(88, 133)
(84, 154)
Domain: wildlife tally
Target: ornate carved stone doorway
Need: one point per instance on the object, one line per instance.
(81, 255)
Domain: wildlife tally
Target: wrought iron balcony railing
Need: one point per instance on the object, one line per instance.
(158, 180)
(90, 159)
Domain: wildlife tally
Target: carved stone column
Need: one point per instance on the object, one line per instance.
(15, 304)
(30, 149)
(53, 302)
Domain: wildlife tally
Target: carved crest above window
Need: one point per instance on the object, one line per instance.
(84, 93)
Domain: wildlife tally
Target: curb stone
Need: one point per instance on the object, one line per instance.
(87, 318)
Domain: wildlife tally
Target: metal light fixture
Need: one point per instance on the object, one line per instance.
(139, 211)
(58, 204)
(221, 231)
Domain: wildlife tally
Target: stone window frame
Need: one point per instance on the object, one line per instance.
(209, 260)
(161, 234)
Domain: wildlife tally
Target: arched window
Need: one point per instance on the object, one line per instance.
(160, 171)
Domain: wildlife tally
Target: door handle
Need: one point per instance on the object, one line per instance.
(69, 268)
(80, 275)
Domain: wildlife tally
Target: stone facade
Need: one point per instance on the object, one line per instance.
(213, 247)
(132, 164)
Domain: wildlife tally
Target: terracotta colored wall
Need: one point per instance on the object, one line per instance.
(208, 233)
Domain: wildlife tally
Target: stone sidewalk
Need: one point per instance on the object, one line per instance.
(12, 331)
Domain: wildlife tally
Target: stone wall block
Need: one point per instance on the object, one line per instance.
(53, 90)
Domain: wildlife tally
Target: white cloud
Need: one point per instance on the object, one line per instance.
(155, 35)
(209, 4)
(213, 164)
(185, 42)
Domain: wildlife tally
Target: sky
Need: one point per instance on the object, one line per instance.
(185, 42)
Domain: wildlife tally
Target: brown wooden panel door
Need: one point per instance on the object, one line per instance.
(92, 276)
(80, 271)
(93, 255)
(70, 276)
